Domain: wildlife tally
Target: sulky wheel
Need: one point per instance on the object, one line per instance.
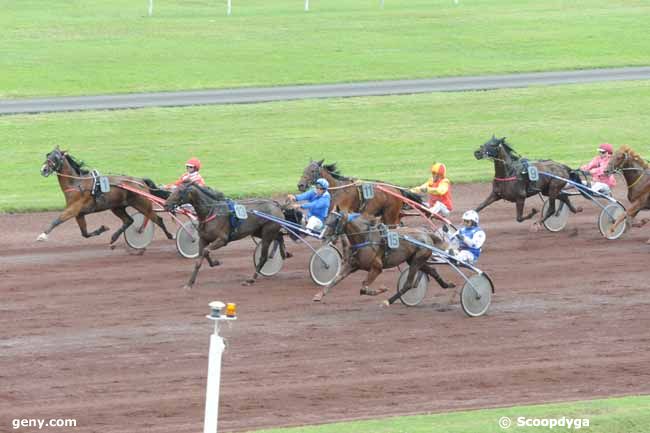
(606, 220)
(273, 263)
(187, 240)
(475, 298)
(325, 264)
(416, 294)
(138, 236)
(558, 220)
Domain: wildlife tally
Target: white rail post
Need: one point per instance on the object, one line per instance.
(306, 5)
(214, 365)
(381, 4)
(150, 7)
(229, 11)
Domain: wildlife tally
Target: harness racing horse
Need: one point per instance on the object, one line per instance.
(636, 172)
(347, 193)
(370, 251)
(508, 184)
(77, 184)
(218, 224)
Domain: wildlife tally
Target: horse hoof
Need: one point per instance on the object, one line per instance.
(385, 303)
(248, 282)
(42, 237)
(111, 246)
(187, 287)
(372, 292)
(579, 209)
(317, 297)
(534, 228)
(103, 229)
(449, 286)
(288, 255)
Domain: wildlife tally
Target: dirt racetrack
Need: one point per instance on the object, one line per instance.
(112, 340)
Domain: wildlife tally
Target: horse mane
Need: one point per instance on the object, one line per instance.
(212, 193)
(334, 171)
(76, 164)
(511, 151)
(634, 155)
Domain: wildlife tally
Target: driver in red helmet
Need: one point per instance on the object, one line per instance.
(193, 165)
(601, 182)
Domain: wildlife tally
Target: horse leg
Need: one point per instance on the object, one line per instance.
(408, 285)
(264, 256)
(146, 209)
(121, 213)
(488, 201)
(204, 253)
(431, 271)
(375, 270)
(631, 213)
(69, 212)
(345, 271)
(81, 222)
(283, 248)
(520, 210)
(564, 198)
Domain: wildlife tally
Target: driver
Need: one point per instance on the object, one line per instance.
(438, 189)
(192, 167)
(470, 238)
(317, 206)
(602, 182)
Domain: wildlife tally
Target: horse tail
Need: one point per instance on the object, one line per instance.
(153, 189)
(411, 195)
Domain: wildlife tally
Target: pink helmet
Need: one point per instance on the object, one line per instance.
(194, 162)
(607, 148)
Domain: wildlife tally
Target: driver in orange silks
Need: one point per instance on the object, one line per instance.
(193, 165)
(438, 189)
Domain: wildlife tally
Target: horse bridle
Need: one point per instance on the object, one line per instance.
(55, 166)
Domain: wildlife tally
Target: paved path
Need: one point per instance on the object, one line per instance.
(283, 93)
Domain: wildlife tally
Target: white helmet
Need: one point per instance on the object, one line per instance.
(471, 215)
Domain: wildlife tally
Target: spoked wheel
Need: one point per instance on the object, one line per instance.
(558, 220)
(325, 264)
(606, 220)
(139, 236)
(414, 296)
(187, 240)
(274, 261)
(475, 298)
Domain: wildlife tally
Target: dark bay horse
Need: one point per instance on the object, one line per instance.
(347, 193)
(76, 182)
(636, 172)
(509, 183)
(218, 225)
(370, 251)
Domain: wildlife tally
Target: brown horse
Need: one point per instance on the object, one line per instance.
(346, 193)
(370, 251)
(508, 184)
(637, 176)
(77, 185)
(219, 225)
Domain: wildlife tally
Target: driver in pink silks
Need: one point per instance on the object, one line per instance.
(602, 182)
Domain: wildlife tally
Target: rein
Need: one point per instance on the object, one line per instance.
(505, 179)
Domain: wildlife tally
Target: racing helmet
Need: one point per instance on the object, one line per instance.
(322, 183)
(471, 215)
(438, 168)
(194, 162)
(606, 147)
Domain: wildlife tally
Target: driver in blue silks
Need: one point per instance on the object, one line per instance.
(469, 239)
(317, 206)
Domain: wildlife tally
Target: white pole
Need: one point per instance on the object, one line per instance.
(306, 5)
(150, 7)
(214, 379)
(381, 4)
(229, 8)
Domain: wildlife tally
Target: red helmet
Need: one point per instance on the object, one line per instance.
(194, 162)
(606, 147)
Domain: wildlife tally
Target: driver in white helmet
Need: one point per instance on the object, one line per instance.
(470, 238)
(317, 206)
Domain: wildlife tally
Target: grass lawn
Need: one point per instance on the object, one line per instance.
(616, 415)
(75, 47)
(259, 149)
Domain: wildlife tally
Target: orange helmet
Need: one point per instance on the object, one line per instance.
(438, 168)
(194, 162)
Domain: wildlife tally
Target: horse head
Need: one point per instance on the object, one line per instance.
(491, 149)
(309, 175)
(181, 195)
(620, 159)
(53, 162)
(335, 223)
